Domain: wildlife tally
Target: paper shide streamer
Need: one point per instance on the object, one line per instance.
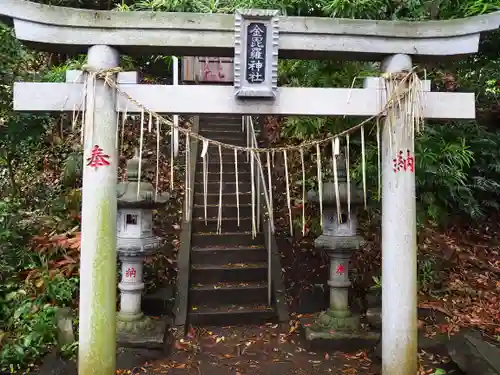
(398, 86)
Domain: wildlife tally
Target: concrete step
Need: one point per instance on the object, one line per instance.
(220, 126)
(229, 224)
(227, 166)
(227, 188)
(228, 255)
(245, 210)
(233, 132)
(228, 293)
(227, 156)
(226, 176)
(235, 141)
(231, 272)
(231, 315)
(228, 198)
(226, 239)
(159, 301)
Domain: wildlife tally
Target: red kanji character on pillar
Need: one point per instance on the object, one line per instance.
(410, 161)
(97, 158)
(130, 272)
(340, 269)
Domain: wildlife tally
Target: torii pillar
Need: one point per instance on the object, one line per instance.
(97, 320)
(399, 237)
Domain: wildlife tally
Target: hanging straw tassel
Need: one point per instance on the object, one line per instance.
(335, 152)
(141, 141)
(205, 177)
(379, 161)
(73, 119)
(158, 127)
(117, 139)
(363, 162)
(219, 218)
(124, 123)
(252, 178)
(186, 180)
(150, 122)
(287, 180)
(320, 182)
(303, 193)
(84, 112)
(348, 176)
(269, 180)
(172, 139)
(237, 183)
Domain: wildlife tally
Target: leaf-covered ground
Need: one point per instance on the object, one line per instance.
(259, 350)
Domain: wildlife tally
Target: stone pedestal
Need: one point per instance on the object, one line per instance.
(338, 327)
(135, 241)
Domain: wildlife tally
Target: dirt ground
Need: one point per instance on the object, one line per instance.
(263, 350)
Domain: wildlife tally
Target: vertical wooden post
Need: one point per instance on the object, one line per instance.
(97, 331)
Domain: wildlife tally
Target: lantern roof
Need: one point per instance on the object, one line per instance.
(135, 193)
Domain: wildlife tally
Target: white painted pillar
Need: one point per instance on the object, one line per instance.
(97, 325)
(399, 241)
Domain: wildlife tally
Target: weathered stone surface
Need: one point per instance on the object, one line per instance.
(184, 34)
(338, 340)
(64, 324)
(374, 317)
(148, 333)
(212, 99)
(473, 355)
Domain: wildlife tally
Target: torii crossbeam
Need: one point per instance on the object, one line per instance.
(103, 33)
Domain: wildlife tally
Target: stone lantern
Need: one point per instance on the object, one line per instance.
(135, 240)
(339, 240)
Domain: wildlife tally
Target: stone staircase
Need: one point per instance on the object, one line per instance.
(228, 271)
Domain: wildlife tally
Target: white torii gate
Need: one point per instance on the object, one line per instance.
(50, 27)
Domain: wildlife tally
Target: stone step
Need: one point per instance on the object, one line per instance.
(220, 126)
(227, 166)
(231, 272)
(229, 224)
(227, 198)
(226, 239)
(228, 255)
(245, 210)
(231, 315)
(226, 176)
(233, 132)
(159, 301)
(228, 293)
(227, 188)
(230, 140)
(227, 156)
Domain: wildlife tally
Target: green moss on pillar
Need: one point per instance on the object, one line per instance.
(101, 356)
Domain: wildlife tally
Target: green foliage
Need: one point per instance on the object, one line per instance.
(457, 164)
(26, 314)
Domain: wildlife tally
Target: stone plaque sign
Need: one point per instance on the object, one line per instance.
(256, 53)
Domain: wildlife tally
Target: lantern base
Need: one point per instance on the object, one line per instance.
(337, 320)
(132, 323)
(330, 332)
(146, 333)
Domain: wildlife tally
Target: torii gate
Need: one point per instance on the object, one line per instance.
(102, 33)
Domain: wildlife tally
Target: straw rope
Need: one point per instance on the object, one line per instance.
(395, 97)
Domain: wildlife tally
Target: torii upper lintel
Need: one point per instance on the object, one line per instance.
(193, 34)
